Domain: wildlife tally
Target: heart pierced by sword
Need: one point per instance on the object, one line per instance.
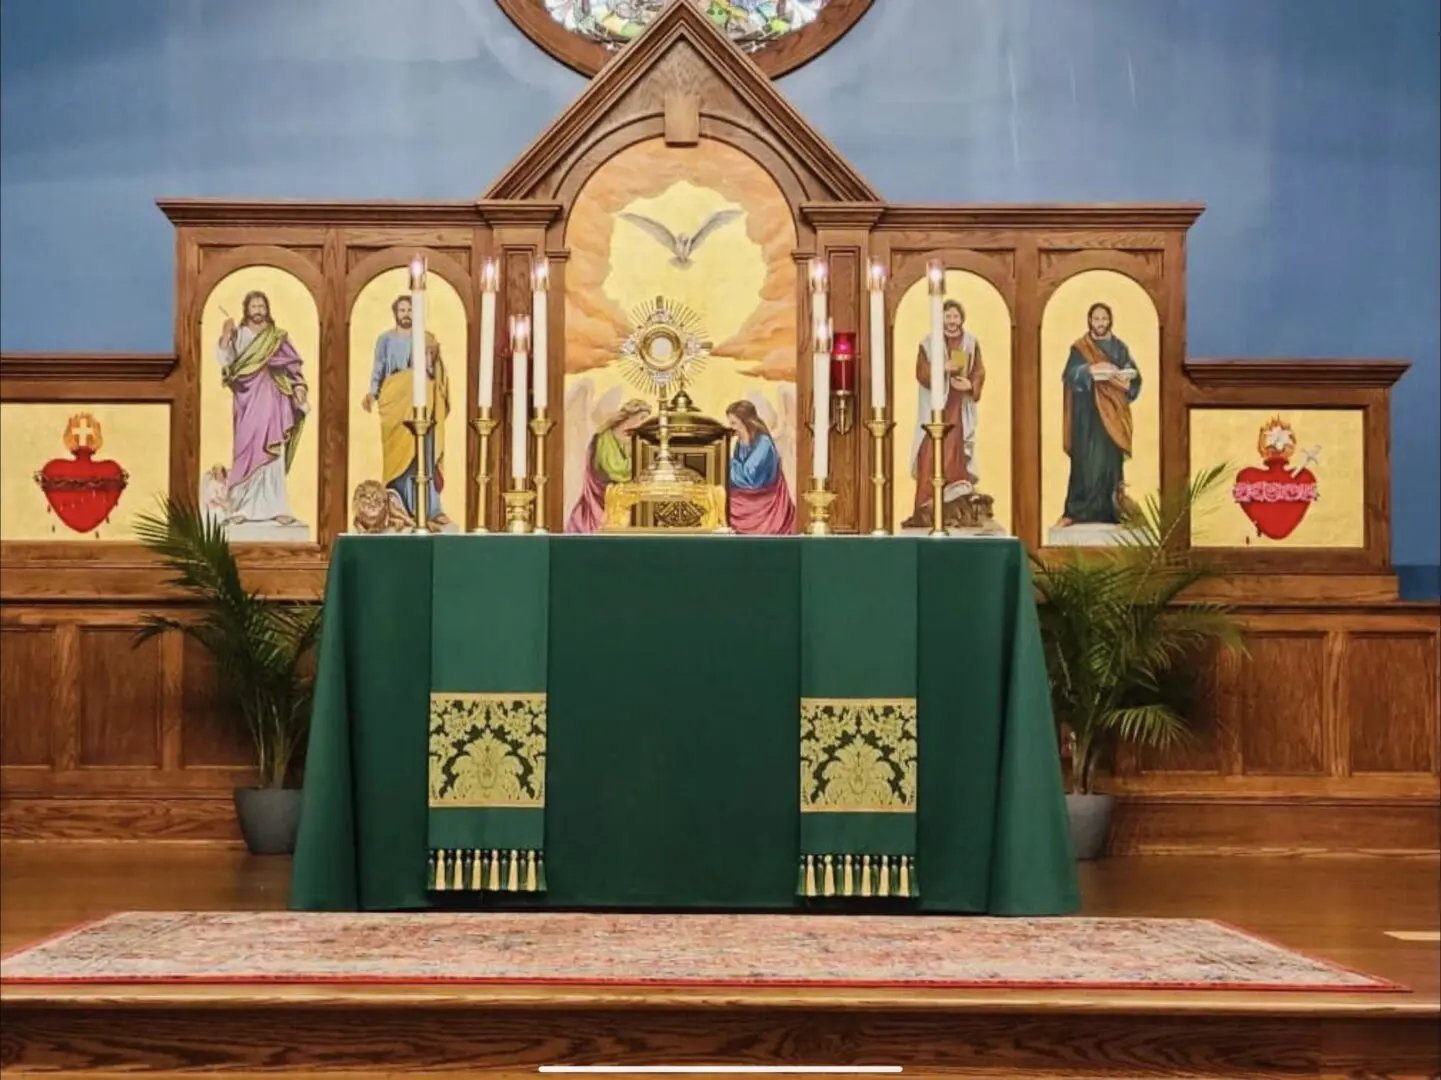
(1308, 458)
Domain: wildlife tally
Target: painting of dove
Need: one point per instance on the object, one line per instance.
(683, 245)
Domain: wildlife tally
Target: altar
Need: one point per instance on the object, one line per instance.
(676, 675)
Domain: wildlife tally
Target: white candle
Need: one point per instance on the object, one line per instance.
(417, 333)
(878, 336)
(539, 298)
(520, 392)
(937, 277)
(819, 274)
(821, 401)
(489, 279)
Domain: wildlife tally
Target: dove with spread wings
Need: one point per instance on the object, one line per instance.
(684, 245)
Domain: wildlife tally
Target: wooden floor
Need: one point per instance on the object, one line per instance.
(1346, 910)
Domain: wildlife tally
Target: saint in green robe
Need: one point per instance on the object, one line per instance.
(1097, 429)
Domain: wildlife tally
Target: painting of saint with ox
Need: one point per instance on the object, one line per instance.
(1100, 382)
(264, 374)
(965, 380)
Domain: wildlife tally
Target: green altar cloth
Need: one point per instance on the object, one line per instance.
(674, 685)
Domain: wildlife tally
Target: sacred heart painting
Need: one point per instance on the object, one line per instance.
(1296, 478)
(80, 472)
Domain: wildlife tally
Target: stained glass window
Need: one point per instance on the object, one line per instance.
(751, 24)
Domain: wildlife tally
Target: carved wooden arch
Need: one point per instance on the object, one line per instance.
(222, 265)
(1130, 266)
(911, 268)
(617, 140)
(785, 54)
(392, 258)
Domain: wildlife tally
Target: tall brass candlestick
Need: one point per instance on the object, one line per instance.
(420, 424)
(540, 426)
(518, 503)
(879, 428)
(937, 429)
(484, 426)
(818, 507)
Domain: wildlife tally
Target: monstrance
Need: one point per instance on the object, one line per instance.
(666, 348)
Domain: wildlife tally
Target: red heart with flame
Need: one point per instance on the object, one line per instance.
(1275, 500)
(82, 491)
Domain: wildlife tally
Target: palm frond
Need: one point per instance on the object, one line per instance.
(258, 646)
(1117, 628)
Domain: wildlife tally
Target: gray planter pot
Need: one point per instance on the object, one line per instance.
(1090, 817)
(269, 819)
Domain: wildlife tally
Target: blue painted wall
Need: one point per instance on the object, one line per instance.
(1308, 127)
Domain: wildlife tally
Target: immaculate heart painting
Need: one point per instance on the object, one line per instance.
(702, 237)
(1297, 477)
(81, 471)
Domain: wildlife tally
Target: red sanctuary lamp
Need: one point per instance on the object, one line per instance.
(843, 379)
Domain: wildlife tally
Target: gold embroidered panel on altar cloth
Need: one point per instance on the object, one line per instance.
(858, 755)
(487, 750)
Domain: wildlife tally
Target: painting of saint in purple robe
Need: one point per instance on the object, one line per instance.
(607, 461)
(263, 372)
(760, 501)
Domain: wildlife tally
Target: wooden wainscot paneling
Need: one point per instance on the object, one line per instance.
(1325, 738)
(107, 738)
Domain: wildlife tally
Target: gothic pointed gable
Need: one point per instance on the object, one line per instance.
(681, 66)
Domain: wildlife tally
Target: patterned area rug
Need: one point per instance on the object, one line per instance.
(792, 951)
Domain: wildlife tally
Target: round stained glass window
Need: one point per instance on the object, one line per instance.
(778, 34)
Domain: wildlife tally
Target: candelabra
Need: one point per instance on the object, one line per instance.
(484, 426)
(879, 428)
(540, 426)
(937, 429)
(419, 423)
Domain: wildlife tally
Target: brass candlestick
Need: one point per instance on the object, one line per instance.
(420, 424)
(818, 507)
(484, 426)
(540, 426)
(518, 503)
(879, 428)
(937, 429)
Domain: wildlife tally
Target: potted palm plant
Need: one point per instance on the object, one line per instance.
(260, 648)
(1119, 637)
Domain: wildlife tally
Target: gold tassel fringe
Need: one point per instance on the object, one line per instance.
(879, 876)
(520, 871)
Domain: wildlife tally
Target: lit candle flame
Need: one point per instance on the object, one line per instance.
(819, 273)
(541, 276)
(878, 277)
(489, 276)
(417, 273)
(519, 333)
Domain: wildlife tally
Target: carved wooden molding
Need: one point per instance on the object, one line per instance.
(252, 212)
(1179, 216)
(518, 213)
(842, 215)
(588, 57)
(1286, 374)
(681, 23)
(94, 367)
